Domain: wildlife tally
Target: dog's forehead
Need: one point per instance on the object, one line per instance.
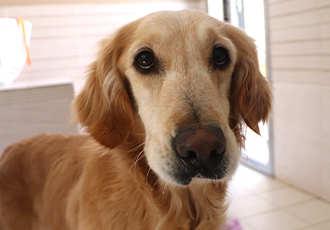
(168, 26)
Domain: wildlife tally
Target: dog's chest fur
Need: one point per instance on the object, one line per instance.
(117, 199)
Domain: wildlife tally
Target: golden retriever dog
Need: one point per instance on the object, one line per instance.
(165, 105)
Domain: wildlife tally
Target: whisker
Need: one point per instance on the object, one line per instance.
(104, 153)
(154, 184)
(137, 159)
(136, 147)
(147, 175)
(231, 116)
(165, 186)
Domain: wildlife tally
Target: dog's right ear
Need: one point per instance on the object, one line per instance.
(103, 106)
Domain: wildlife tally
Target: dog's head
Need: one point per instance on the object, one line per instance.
(191, 80)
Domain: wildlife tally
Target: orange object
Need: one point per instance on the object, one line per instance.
(20, 22)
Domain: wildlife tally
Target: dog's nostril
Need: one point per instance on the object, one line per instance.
(214, 153)
(192, 154)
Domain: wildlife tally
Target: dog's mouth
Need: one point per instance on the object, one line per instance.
(183, 175)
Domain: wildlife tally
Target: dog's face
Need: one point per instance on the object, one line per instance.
(192, 81)
(180, 76)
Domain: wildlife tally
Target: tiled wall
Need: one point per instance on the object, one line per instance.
(300, 64)
(28, 112)
(64, 37)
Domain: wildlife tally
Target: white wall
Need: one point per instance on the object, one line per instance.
(28, 112)
(300, 62)
(64, 37)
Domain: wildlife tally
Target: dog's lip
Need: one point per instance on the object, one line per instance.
(186, 180)
(185, 176)
(203, 172)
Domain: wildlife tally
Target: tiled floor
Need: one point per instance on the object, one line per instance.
(262, 203)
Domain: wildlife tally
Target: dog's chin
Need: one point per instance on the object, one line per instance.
(186, 177)
(198, 179)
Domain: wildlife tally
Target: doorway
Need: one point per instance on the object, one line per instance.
(250, 16)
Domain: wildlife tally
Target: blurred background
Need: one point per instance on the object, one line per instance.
(293, 39)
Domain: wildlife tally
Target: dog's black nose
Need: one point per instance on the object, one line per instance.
(200, 148)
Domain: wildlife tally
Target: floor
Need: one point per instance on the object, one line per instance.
(262, 203)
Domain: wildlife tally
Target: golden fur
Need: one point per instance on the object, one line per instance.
(119, 176)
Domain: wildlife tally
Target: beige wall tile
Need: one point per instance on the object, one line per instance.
(325, 44)
(325, 189)
(295, 34)
(294, 75)
(324, 12)
(297, 135)
(305, 62)
(286, 196)
(249, 205)
(322, 226)
(301, 19)
(325, 63)
(325, 31)
(300, 48)
(275, 220)
(292, 7)
(324, 3)
(297, 48)
(321, 211)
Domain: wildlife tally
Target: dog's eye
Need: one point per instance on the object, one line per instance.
(145, 60)
(220, 56)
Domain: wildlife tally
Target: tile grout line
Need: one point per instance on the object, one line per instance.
(314, 225)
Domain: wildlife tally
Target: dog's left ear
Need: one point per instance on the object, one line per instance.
(250, 96)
